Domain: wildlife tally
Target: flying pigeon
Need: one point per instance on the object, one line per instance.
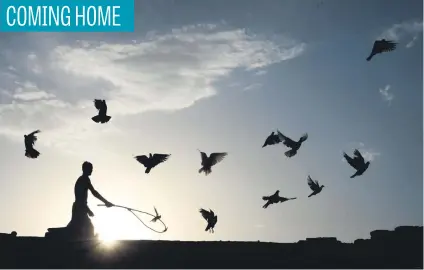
(157, 216)
(272, 139)
(208, 162)
(210, 217)
(30, 140)
(381, 46)
(275, 198)
(101, 117)
(314, 185)
(151, 161)
(292, 144)
(358, 163)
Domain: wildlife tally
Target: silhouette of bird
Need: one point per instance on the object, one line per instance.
(101, 117)
(211, 218)
(208, 162)
(358, 163)
(314, 185)
(292, 144)
(30, 140)
(381, 46)
(272, 139)
(152, 160)
(157, 216)
(275, 198)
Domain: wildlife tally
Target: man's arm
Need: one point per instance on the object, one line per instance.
(97, 194)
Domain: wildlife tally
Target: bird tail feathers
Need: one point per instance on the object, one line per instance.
(205, 170)
(290, 153)
(31, 153)
(101, 118)
(265, 198)
(147, 170)
(354, 175)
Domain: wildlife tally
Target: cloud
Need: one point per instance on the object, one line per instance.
(406, 30)
(252, 87)
(260, 72)
(54, 79)
(412, 42)
(386, 95)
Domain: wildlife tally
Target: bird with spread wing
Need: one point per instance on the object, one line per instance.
(208, 162)
(292, 144)
(102, 116)
(314, 185)
(272, 139)
(357, 162)
(30, 140)
(275, 198)
(381, 46)
(157, 216)
(151, 161)
(211, 218)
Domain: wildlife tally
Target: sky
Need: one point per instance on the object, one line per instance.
(220, 76)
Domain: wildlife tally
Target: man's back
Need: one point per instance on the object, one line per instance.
(81, 189)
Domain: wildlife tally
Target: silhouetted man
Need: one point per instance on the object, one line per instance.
(80, 223)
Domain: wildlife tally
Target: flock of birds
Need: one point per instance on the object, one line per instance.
(207, 162)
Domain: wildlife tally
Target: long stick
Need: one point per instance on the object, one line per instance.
(135, 210)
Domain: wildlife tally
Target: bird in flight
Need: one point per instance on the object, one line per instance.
(211, 218)
(292, 144)
(208, 162)
(272, 139)
(101, 117)
(314, 185)
(151, 161)
(157, 216)
(274, 198)
(357, 162)
(30, 140)
(381, 46)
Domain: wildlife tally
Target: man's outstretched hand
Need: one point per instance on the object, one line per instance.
(109, 204)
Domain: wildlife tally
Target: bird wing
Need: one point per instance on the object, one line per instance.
(156, 211)
(358, 157)
(272, 139)
(142, 159)
(205, 214)
(313, 185)
(100, 105)
(286, 140)
(214, 221)
(349, 160)
(159, 158)
(385, 45)
(34, 132)
(32, 138)
(304, 137)
(204, 157)
(217, 157)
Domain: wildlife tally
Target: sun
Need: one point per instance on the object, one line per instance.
(117, 225)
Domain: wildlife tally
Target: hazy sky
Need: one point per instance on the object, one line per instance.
(220, 76)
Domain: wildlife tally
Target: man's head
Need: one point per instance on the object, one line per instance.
(87, 168)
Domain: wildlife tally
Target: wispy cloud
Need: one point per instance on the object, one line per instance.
(252, 87)
(408, 30)
(388, 97)
(52, 84)
(260, 72)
